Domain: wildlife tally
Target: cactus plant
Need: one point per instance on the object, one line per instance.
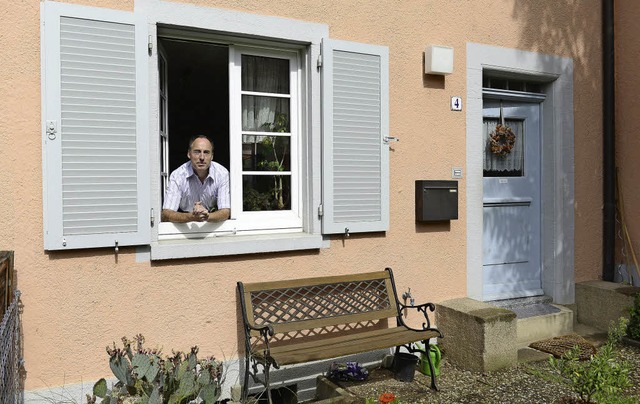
(149, 378)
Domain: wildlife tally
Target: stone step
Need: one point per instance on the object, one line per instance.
(537, 318)
(542, 321)
(511, 304)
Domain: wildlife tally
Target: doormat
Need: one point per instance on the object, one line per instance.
(558, 346)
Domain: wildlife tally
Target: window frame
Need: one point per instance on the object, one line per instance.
(249, 31)
(291, 218)
(241, 222)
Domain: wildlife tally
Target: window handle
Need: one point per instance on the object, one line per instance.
(388, 139)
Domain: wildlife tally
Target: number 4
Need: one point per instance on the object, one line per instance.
(456, 104)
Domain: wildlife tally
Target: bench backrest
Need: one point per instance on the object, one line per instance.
(302, 304)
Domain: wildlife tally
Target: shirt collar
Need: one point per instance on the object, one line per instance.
(190, 171)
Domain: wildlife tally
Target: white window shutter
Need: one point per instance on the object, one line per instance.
(355, 108)
(95, 128)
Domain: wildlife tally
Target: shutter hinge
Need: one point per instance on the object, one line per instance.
(152, 218)
(150, 46)
(319, 61)
(320, 210)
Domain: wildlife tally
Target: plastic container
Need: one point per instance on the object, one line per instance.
(404, 366)
(435, 354)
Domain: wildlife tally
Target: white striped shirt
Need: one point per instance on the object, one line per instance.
(185, 188)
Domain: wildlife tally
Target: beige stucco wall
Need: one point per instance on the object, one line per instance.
(627, 55)
(77, 302)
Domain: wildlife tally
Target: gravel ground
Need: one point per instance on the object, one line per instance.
(524, 383)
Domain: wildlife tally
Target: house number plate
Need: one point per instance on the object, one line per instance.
(456, 103)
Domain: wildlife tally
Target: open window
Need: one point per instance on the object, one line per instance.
(246, 99)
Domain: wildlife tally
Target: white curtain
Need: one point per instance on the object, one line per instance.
(266, 75)
(512, 163)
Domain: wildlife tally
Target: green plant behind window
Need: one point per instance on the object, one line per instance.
(149, 378)
(275, 150)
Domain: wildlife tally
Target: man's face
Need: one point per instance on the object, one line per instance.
(200, 154)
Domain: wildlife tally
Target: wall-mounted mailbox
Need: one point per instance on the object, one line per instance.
(436, 200)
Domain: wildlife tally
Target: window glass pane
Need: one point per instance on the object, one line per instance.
(503, 157)
(266, 153)
(266, 192)
(265, 114)
(511, 84)
(265, 75)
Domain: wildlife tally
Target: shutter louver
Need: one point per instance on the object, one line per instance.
(98, 99)
(96, 174)
(356, 137)
(355, 123)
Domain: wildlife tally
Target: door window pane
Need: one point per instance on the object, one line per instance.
(505, 164)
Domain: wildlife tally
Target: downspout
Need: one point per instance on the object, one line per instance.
(609, 149)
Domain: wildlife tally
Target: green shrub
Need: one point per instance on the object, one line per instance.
(602, 377)
(146, 377)
(633, 329)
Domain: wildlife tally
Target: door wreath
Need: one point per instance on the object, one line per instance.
(502, 140)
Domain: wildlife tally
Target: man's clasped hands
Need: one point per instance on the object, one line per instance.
(200, 213)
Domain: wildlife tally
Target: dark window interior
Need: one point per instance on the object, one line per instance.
(198, 97)
(502, 83)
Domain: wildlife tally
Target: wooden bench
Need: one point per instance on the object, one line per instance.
(303, 320)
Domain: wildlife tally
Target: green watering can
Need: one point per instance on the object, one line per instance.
(423, 364)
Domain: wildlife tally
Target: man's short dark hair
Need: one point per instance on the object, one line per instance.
(194, 138)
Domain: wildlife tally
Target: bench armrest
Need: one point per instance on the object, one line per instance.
(422, 308)
(265, 330)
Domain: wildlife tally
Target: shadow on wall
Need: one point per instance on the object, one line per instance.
(562, 27)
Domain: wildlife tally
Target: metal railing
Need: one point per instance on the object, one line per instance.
(10, 353)
(10, 342)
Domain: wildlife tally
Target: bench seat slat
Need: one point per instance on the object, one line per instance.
(353, 336)
(346, 345)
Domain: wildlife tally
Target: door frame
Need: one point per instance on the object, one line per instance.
(557, 163)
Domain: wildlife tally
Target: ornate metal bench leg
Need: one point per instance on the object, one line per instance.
(266, 382)
(245, 385)
(433, 370)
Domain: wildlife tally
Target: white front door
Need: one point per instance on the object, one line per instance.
(511, 252)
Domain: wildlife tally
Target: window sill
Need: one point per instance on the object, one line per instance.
(233, 245)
